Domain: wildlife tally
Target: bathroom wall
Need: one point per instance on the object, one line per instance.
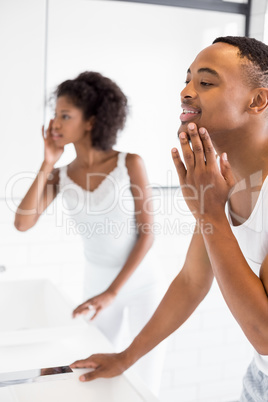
(22, 33)
(206, 358)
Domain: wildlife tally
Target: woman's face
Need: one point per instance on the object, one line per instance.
(68, 125)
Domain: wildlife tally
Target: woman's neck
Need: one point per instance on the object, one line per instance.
(88, 156)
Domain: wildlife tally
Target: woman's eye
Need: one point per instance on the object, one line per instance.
(65, 116)
(205, 84)
(187, 82)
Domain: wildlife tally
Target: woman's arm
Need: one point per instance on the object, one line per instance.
(41, 193)
(142, 195)
(44, 188)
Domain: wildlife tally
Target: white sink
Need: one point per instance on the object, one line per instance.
(34, 311)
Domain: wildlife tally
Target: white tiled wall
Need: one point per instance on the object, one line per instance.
(206, 357)
(257, 19)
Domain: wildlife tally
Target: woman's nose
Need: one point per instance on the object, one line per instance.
(55, 123)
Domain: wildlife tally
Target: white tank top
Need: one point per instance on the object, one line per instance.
(105, 219)
(252, 237)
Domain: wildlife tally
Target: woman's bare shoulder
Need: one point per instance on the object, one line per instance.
(136, 167)
(134, 160)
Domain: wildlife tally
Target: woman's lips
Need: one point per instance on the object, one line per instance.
(189, 114)
(56, 136)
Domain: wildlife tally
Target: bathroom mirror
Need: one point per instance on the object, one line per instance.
(146, 49)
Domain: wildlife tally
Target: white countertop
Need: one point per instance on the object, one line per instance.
(62, 350)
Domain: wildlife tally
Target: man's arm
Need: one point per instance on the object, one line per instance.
(185, 293)
(264, 274)
(242, 290)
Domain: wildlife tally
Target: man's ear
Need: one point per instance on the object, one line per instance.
(259, 101)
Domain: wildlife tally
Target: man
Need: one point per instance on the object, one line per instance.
(224, 103)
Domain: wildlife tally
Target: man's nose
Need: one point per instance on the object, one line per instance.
(188, 91)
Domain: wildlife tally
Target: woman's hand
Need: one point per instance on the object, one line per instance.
(102, 365)
(205, 187)
(53, 151)
(96, 303)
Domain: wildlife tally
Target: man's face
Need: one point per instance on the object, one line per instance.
(216, 96)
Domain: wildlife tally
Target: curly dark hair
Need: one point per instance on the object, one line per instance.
(99, 97)
(256, 52)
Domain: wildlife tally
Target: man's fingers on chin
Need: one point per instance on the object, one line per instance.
(178, 162)
(176, 156)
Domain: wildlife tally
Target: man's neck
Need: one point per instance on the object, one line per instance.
(247, 153)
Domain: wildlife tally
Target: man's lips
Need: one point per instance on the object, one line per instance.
(189, 113)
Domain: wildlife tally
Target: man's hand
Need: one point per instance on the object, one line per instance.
(205, 187)
(103, 365)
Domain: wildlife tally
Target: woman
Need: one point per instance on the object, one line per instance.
(107, 192)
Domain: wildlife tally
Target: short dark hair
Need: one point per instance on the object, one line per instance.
(99, 97)
(256, 52)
